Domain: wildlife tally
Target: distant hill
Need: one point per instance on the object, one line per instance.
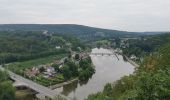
(85, 33)
(152, 33)
(62, 28)
(79, 30)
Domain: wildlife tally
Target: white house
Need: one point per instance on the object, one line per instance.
(50, 69)
(57, 47)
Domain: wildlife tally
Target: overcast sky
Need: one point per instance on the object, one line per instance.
(127, 15)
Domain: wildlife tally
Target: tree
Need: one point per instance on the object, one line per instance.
(7, 91)
(66, 72)
(73, 68)
(3, 76)
(77, 56)
(56, 67)
(87, 69)
(42, 69)
(108, 89)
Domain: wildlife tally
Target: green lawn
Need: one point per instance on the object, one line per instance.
(23, 95)
(50, 81)
(103, 42)
(20, 66)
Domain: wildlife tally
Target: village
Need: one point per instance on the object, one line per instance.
(46, 70)
(54, 73)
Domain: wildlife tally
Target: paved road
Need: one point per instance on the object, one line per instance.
(102, 54)
(37, 87)
(132, 62)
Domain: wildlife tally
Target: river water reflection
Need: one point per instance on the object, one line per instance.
(108, 69)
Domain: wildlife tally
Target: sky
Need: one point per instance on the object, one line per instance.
(126, 15)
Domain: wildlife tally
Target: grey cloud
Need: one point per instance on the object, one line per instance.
(130, 15)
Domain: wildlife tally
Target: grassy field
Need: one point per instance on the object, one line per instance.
(50, 81)
(103, 42)
(20, 66)
(23, 95)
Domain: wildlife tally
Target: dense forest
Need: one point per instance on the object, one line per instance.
(26, 45)
(145, 44)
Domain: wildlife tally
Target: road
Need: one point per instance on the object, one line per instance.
(37, 87)
(130, 61)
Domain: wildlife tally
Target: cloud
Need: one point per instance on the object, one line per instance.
(130, 15)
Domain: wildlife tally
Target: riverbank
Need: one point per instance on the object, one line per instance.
(130, 61)
(127, 58)
(62, 84)
(116, 56)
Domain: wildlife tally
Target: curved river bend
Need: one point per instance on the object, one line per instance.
(108, 69)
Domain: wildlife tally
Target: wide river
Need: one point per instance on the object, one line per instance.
(108, 69)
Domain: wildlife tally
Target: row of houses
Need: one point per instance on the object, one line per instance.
(45, 70)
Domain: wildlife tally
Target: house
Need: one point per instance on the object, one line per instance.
(50, 69)
(57, 47)
(50, 72)
(32, 72)
(68, 44)
(61, 66)
(79, 48)
(133, 57)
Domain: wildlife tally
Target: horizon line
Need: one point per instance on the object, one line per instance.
(80, 25)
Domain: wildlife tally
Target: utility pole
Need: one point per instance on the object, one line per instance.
(50, 85)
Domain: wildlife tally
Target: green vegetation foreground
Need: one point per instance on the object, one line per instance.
(7, 92)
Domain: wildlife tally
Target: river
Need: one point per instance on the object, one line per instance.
(108, 69)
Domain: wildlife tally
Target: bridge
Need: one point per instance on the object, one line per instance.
(42, 90)
(109, 54)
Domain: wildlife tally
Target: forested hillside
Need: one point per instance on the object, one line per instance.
(83, 32)
(146, 45)
(26, 45)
